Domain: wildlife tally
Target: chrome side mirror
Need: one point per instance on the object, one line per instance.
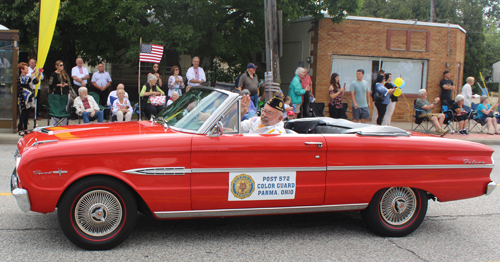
(216, 130)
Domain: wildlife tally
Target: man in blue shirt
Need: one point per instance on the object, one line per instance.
(100, 83)
(361, 98)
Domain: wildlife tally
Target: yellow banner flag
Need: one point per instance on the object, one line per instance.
(49, 9)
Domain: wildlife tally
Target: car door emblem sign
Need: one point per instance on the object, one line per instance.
(242, 186)
(59, 171)
(256, 185)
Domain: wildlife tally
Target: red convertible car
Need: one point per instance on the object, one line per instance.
(192, 161)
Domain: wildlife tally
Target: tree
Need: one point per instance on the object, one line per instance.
(472, 21)
(466, 13)
(230, 30)
(492, 39)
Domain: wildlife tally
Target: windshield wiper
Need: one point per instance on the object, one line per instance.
(162, 121)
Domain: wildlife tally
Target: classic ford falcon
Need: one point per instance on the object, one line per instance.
(193, 161)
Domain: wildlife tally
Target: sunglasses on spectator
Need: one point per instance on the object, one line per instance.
(177, 69)
(61, 64)
(155, 66)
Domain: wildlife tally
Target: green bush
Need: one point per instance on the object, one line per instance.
(492, 86)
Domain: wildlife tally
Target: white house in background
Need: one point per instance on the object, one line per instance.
(495, 73)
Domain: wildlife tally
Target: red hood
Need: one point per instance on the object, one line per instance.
(92, 130)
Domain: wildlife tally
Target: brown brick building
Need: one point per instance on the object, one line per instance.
(417, 51)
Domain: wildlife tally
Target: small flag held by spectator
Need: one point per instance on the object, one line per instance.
(151, 53)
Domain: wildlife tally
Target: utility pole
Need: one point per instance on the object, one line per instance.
(433, 11)
(272, 48)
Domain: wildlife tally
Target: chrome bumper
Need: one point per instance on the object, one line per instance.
(21, 195)
(491, 186)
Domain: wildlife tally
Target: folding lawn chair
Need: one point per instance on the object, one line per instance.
(477, 123)
(421, 122)
(56, 109)
(96, 97)
(450, 120)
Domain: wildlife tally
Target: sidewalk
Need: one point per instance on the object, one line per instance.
(483, 138)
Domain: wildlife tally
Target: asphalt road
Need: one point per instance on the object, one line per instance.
(465, 230)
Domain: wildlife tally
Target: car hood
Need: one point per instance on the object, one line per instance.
(86, 131)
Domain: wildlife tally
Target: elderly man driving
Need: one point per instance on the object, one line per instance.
(87, 107)
(270, 120)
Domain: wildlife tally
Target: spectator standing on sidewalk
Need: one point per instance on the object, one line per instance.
(101, 80)
(295, 90)
(378, 87)
(335, 105)
(80, 74)
(155, 70)
(306, 82)
(195, 74)
(25, 96)
(392, 104)
(175, 82)
(447, 87)
(31, 68)
(361, 98)
(250, 82)
(467, 93)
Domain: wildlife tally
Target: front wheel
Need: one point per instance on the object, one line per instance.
(396, 211)
(97, 213)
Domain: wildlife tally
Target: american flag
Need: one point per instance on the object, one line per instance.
(151, 53)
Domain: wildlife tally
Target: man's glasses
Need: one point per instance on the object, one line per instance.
(269, 113)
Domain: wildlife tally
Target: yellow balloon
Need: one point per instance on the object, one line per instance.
(398, 81)
(397, 92)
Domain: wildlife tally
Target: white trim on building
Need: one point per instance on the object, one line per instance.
(392, 21)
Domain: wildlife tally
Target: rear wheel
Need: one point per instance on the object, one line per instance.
(97, 213)
(396, 211)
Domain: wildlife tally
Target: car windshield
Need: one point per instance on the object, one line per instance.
(191, 110)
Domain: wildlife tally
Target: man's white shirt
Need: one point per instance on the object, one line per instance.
(190, 75)
(254, 126)
(75, 71)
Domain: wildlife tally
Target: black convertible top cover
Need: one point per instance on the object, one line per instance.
(326, 125)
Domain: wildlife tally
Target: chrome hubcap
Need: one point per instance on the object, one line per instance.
(398, 204)
(98, 213)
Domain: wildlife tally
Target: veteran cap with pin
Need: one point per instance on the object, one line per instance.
(276, 102)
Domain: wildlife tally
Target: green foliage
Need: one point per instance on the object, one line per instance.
(467, 13)
(492, 86)
(492, 44)
(230, 30)
(472, 21)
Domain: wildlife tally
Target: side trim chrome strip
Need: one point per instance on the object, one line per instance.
(392, 167)
(159, 171)
(256, 169)
(258, 211)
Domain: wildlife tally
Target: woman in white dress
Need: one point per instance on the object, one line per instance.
(175, 82)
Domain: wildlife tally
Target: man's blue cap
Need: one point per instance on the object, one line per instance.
(251, 65)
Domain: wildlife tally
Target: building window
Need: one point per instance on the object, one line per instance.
(413, 72)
